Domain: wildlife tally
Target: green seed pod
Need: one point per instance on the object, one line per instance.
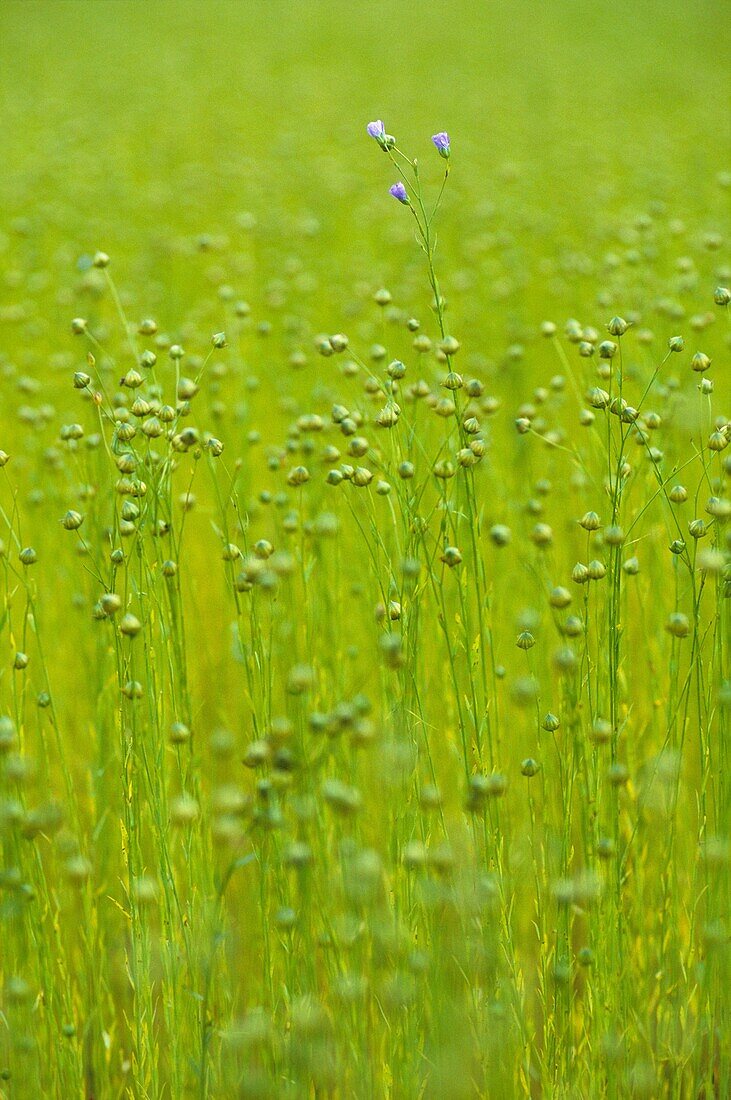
(148, 359)
(78, 326)
(525, 640)
(529, 767)
(362, 477)
(392, 650)
(358, 446)
(700, 362)
(451, 556)
(132, 380)
(580, 573)
(297, 476)
(607, 349)
(722, 296)
(613, 536)
(601, 731)
(676, 343)
(598, 398)
(678, 494)
(542, 535)
(719, 508)
(28, 556)
(697, 528)
(586, 418)
(717, 441)
(573, 627)
(72, 521)
(117, 556)
(551, 723)
(110, 603)
(81, 380)
(677, 547)
(100, 260)
(343, 800)
(406, 470)
(130, 626)
(606, 847)
(586, 350)
(596, 570)
(179, 733)
(466, 458)
(21, 662)
(444, 470)
(617, 326)
(631, 567)
(449, 345)
(453, 381)
(618, 775)
(590, 521)
(678, 625)
(560, 597)
(500, 535)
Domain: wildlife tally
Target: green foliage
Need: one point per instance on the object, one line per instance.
(364, 565)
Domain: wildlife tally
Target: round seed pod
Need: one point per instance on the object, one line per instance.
(78, 326)
(678, 625)
(500, 535)
(607, 349)
(525, 640)
(550, 723)
(590, 521)
(617, 326)
(530, 767)
(678, 494)
(451, 556)
(700, 362)
(297, 476)
(28, 556)
(613, 536)
(631, 567)
(618, 775)
(542, 535)
(601, 731)
(72, 520)
(178, 733)
(453, 381)
(130, 626)
(580, 573)
(560, 597)
(697, 528)
(110, 603)
(596, 570)
(598, 398)
(676, 343)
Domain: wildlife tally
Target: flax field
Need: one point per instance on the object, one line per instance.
(365, 550)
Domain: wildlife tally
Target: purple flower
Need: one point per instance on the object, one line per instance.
(399, 192)
(441, 141)
(376, 130)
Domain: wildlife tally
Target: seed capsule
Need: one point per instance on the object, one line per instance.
(130, 626)
(72, 520)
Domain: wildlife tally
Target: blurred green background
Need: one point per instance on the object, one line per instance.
(129, 125)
